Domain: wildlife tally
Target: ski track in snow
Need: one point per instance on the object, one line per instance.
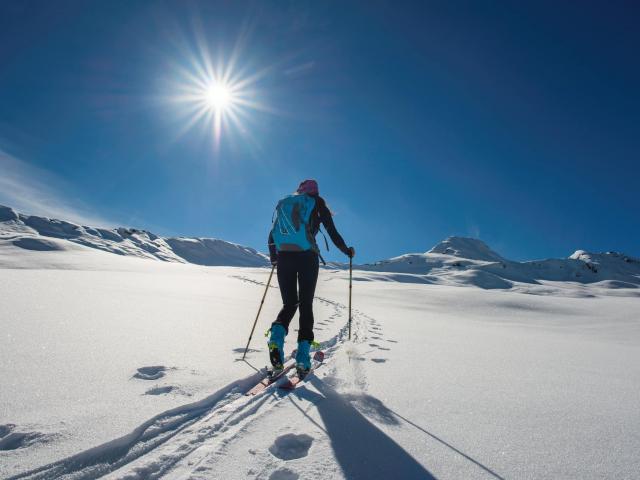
(201, 430)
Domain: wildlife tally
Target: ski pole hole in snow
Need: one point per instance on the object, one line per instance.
(291, 446)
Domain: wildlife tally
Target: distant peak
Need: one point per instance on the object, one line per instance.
(465, 247)
(7, 214)
(578, 254)
(591, 257)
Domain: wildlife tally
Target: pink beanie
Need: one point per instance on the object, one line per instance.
(308, 186)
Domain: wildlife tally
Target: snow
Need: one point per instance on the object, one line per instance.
(36, 233)
(128, 365)
(469, 248)
(470, 262)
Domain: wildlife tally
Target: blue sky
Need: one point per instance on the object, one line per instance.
(518, 124)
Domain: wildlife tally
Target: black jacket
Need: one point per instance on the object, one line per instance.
(320, 215)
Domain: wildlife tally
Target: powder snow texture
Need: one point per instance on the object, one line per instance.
(125, 367)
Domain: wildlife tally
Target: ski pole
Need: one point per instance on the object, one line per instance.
(350, 288)
(259, 310)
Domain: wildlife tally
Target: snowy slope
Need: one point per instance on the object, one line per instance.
(116, 366)
(133, 373)
(468, 261)
(38, 233)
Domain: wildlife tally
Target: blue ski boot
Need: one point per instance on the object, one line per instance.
(303, 360)
(276, 346)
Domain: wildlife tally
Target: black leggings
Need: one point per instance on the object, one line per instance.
(297, 269)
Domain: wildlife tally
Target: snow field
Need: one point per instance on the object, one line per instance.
(127, 368)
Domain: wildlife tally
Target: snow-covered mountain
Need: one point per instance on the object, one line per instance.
(454, 261)
(32, 232)
(462, 260)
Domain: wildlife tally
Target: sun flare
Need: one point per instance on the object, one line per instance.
(218, 97)
(214, 92)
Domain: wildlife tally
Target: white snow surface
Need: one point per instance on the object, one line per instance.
(470, 262)
(117, 366)
(31, 232)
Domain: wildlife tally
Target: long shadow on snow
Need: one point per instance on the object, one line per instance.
(372, 407)
(435, 437)
(362, 449)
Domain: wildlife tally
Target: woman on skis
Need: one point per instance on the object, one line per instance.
(292, 247)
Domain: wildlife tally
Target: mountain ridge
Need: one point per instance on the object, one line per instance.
(32, 232)
(455, 260)
(471, 261)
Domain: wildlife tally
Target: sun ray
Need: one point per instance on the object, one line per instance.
(216, 91)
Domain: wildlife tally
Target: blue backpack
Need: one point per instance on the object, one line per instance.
(291, 229)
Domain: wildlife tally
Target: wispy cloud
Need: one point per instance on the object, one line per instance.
(35, 191)
(299, 69)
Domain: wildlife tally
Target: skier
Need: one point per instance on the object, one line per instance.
(293, 249)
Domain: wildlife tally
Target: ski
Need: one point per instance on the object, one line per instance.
(270, 379)
(295, 380)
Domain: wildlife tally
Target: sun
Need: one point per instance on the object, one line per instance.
(218, 97)
(216, 92)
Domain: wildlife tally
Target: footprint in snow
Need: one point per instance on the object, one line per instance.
(291, 446)
(160, 390)
(150, 373)
(11, 440)
(284, 474)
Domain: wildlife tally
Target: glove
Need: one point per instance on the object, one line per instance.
(274, 260)
(352, 252)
